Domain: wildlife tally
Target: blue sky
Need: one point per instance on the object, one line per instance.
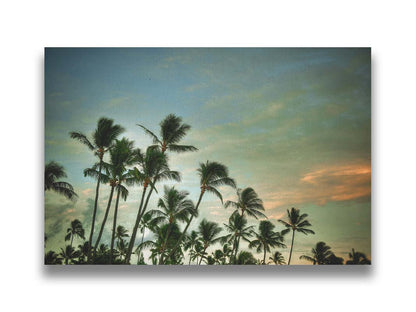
(294, 124)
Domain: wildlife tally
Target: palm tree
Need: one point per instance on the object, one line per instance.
(190, 242)
(212, 175)
(158, 246)
(121, 155)
(121, 232)
(297, 223)
(266, 238)
(83, 252)
(52, 258)
(53, 172)
(172, 131)
(197, 252)
(209, 233)
(277, 258)
(357, 257)
(320, 254)
(102, 139)
(68, 254)
(149, 220)
(237, 226)
(153, 167)
(121, 248)
(248, 202)
(75, 230)
(175, 207)
(245, 257)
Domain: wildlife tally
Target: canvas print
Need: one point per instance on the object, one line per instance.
(207, 156)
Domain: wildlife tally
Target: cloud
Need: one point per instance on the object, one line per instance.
(86, 192)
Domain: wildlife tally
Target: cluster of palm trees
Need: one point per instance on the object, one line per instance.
(169, 221)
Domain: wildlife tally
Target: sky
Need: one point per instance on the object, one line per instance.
(292, 123)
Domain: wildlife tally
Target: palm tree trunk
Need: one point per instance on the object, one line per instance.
(205, 248)
(114, 225)
(186, 228)
(165, 242)
(264, 257)
(104, 221)
(291, 247)
(95, 211)
(72, 238)
(136, 226)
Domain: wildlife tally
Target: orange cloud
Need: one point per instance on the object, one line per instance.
(335, 183)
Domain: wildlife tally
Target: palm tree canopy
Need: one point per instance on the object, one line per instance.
(53, 172)
(320, 254)
(209, 232)
(121, 232)
(245, 257)
(76, 229)
(278, 258)
(172, 131)
(212, 175)
(357, 257)
(296, 222)
(152, 165)
(249, 202)
(266, 237)
(237, 227)
(102, 137)
(174, 205)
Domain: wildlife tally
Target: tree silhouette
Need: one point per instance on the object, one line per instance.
(357, 258)
(277, 258)
(52, 258)
(53, 172)
(296, 223)
(212, 175)
(266, 238)
(248, 202)
(153, 167)
(237, 226)
(209, 234)
(102, 139)
(74, 230)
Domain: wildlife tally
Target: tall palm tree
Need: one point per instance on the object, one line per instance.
(172, 131)
(237, 227)
(296, 223)
(209, 233)
(75, 229)
(53, 172)
(102, 139)
(277, 258)
(212, 175)
(153, 167)
(357, 257)
(320, 254)
(174, 207)
(122, 154)
(266, 238)
(248, 202)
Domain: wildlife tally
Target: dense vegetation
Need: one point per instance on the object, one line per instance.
(169, 221)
